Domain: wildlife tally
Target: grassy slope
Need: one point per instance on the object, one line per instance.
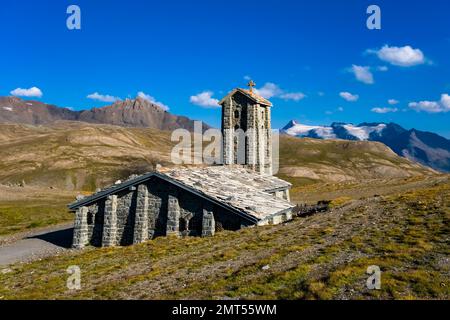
(319, 257)
(32, 214)
(77, 156)
(26, 208)
(338, 161)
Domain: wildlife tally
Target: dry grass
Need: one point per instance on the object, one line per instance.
(340, 161)
(78, 156)
(385, 211)
(22, 209)
(324, 256)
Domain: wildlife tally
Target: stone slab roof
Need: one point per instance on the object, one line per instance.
(250, 94)
(240, 190)
(237, 187)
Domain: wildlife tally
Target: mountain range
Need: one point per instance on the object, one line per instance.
(423, 147)
(137, 112)
(75, 155)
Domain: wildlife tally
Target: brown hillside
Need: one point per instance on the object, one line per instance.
(81, 156)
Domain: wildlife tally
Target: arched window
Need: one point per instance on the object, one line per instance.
(236, 114)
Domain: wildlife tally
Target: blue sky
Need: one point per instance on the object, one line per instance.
(304, 55)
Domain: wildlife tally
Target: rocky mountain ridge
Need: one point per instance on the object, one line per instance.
(426, 148)
(137, 112)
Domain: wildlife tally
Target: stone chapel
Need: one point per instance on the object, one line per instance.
(195, 201)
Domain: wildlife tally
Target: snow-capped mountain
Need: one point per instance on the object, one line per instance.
(426, 148)
(335, 131)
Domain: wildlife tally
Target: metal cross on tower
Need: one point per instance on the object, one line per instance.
(251, 84)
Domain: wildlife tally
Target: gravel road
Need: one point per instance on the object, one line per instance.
(34, 245)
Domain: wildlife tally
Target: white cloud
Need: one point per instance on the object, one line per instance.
(382, 68)
(205, 99)
(269, 90)
(321, 94)
(31, 92)
(442, 105)
(445, 101)
(101, 97)
(248, 78)
(340, 109)
(296, 96)
(428, 106)
(349, 97)
(151, 99)
(400, 56)
(393, 102)
(362, 74)
(328, 112)
(384, 110)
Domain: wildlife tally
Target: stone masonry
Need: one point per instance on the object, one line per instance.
(246, 126)
(141, 218)
(80, 235)
(208, 223)
(110, 222)
(173, 215)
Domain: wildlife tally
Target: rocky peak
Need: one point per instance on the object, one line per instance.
(290, 124)
(137, 112)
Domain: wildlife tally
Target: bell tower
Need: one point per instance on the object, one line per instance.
(246, 130)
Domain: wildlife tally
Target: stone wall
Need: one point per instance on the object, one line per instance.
(282, 194)
(228, 221)
(141, 223)
(80, 229)
(276, 219)
(156, 208)
(241, 113)
(110, 222)
(126, 211)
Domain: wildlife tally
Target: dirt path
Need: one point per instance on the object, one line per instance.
(34, 245)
